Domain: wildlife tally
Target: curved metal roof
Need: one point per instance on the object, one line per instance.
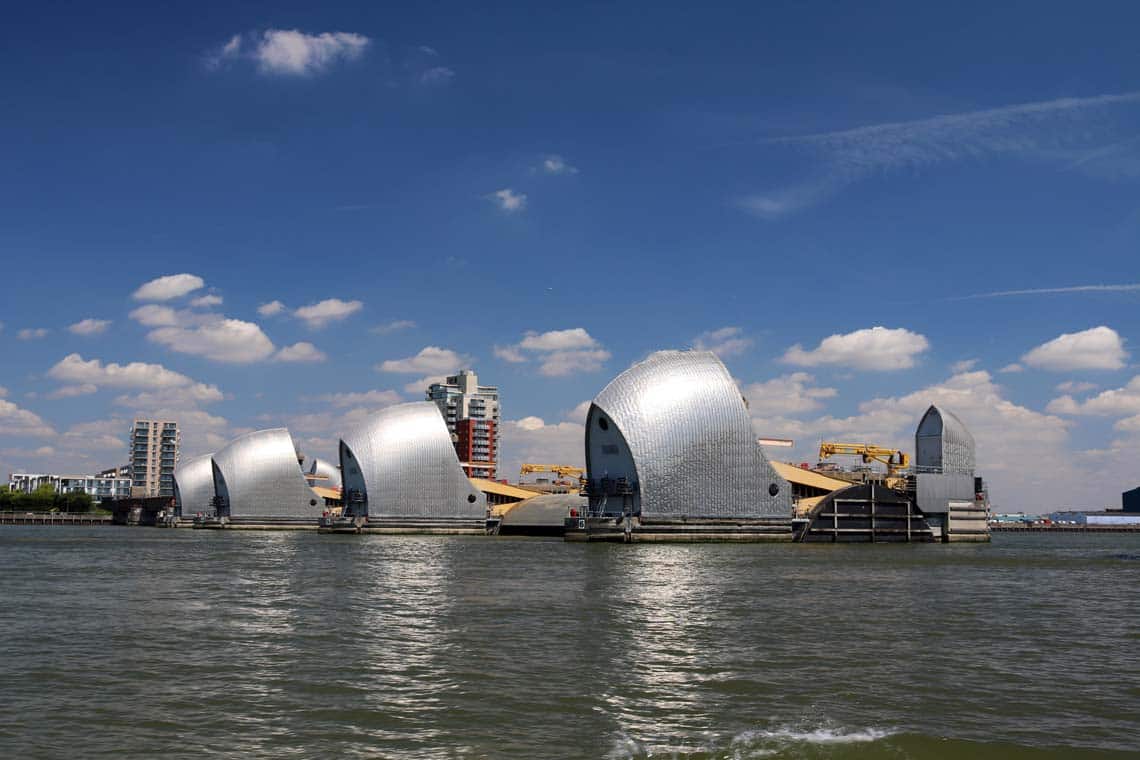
(327, 469)
(407, 463)
(194, 486)
(943, 444)
(687, 427)
(261, 477)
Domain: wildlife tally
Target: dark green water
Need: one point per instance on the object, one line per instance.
(152, 643)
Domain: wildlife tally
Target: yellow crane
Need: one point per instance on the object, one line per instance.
(562, 470)
(894, 459)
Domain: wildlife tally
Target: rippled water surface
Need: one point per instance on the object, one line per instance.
(148, 643)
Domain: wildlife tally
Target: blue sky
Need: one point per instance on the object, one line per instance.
(608, 180)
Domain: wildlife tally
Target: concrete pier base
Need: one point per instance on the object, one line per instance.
(255, 523)
(437, 526)
(632, 529)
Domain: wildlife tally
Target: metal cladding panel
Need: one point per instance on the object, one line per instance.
(935, 491)
(263, 478)
(193, 486)
(407, 462)
(943, 444)
(687, 428)
(329, 470)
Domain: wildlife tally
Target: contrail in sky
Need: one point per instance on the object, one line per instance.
(1081, 132)
(1125, 288)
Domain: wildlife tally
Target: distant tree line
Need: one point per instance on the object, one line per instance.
(44, 499)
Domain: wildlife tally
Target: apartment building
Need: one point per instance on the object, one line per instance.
(471, 411)
(154, 452)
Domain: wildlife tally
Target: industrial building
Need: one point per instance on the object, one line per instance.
(400, 472)
(671, 455)
(1130, 501)
(940, 500)
(154, 451)
(472, 414)
(1095, 518)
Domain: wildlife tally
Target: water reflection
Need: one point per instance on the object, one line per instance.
(185, 644)
(666, 645)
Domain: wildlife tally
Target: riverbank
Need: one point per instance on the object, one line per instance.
(54, 518)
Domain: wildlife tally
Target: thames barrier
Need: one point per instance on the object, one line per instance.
(670, 456)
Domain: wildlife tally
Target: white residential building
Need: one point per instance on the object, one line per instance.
(98, 487)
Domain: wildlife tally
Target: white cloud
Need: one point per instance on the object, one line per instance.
(786, 395)
(300, 352)
(74, 369)
(318, 315)
(108, 437)
(206, 301)
(33, 333)
(510, 354)
(558, 352)
(1075, 386)
(292, 52)
(270, 309)
(1097, 348)
(90, 326)
(1010, 369)
(1129, 425)
(508, 200)
(231, 50)
(1116, 402)
(394, 326)
(877, 349)
(42, 451)
(15, 420)
(169, 287)
(1047, 129)
(154, 315)
(419, 387)
(558, 340)
(726, 341)
(437, 75)
(531, 439)
(431, 360)
(226, 340)
(562, 363)
(555, 164)
(965, 365)
(578, 413)
(183, 396)
(72, 391)
(375, 398)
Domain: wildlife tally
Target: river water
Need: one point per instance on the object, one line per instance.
(178, 643)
